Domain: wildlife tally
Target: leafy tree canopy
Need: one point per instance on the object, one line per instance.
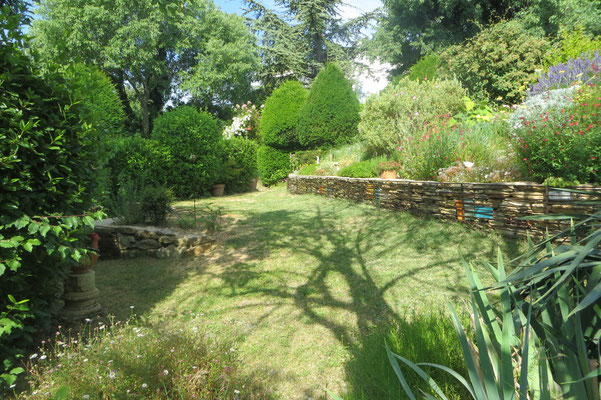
(411, 29)
(298, 42)
(152, 50)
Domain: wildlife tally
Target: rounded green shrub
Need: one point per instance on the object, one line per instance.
(499, 63)
(274, 165)
(155, 204)
(240, 164)
(196, 145)
(406, 109)
(138, 160)
(331, 114)
(280, 116)
(363, 169)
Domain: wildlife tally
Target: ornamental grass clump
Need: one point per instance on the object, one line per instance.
(582, 69)
(137, 360)
(563, 143)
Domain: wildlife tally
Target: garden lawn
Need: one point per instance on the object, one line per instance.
(300, 280)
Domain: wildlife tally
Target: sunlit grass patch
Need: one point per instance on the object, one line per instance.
(136, 359)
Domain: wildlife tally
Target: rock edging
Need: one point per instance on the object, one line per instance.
(129, 241)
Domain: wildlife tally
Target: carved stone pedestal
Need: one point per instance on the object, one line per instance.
(81, 296)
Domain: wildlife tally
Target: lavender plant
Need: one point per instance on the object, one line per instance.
(584, 68)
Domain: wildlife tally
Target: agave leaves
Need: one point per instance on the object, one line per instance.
(503, 358)
(540, 338)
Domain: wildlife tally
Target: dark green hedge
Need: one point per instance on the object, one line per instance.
(240, 164)
(274, 165)
(331, 114)
(134, 159)
(196, 145)
(280, 116)
(48, 164)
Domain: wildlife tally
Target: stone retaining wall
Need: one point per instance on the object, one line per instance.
(492, 205)
(137, 241)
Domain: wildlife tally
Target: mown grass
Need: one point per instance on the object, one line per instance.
(308, 287)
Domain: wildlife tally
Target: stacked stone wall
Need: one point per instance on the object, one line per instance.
(126, 241)
(490, 205)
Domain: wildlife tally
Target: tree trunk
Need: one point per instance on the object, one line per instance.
(119, 81)
(145, 111)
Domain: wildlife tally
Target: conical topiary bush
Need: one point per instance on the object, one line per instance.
(280, 116)
(331, 114)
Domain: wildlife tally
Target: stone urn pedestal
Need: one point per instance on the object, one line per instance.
(81, 296)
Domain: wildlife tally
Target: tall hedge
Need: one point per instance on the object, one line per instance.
(274, 165)
(47, 173)
(280, 116)
(196, 145)
(331, 114)
(240, 164)
(137, 160)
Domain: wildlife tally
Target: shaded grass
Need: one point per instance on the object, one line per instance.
(303, 281)
(420, 337)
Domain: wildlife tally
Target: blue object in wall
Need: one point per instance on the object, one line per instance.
(483, 212)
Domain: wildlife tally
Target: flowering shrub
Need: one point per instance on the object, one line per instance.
(537, 104)
(442, 145)
(563, 143)
(402, 109)
(245, 122)
(584, 68)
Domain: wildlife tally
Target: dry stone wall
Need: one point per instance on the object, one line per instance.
(491, 205)
(126, 241)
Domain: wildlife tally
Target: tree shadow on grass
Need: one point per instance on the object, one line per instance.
(335, 241)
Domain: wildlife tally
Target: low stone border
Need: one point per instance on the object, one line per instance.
(492, 205)
(129, 241)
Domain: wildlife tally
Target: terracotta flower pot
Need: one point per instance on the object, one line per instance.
(218, 189)
(88, 260)
(388, 174)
